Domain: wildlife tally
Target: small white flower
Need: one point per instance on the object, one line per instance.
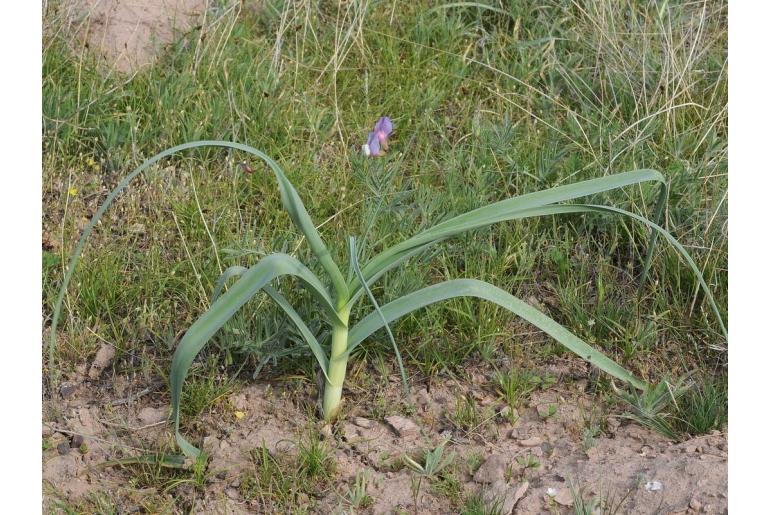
(551, 492)
(366, 149)
(653, 486)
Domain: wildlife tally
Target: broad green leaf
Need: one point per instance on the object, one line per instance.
(233, 271)
(474, 288)
(503, 210)
(289, 196)
(196, 337)
(357, 270)
(320, 294)
(307, 334)
(387, 265)
(593, 208)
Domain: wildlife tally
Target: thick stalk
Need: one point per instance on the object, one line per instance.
(337, 366)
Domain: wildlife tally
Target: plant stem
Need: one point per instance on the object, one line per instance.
(337, 366)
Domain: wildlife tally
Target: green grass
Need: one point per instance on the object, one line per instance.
(703, 408)
(516, 385)
(468, 417)
(285, 482)
(475, 505)
(272, 484)
(314, 458)
(682, 409)
(448, 486)
(486, 105)
(205, 391)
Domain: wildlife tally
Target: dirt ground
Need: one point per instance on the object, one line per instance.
(528, 467)
(129, 34)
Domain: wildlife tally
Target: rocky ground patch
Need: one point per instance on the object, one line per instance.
(541, 462)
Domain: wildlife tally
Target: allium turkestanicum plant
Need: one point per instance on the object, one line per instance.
(338, 293)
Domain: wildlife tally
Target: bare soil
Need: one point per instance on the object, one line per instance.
(533, 463)
(129, 34)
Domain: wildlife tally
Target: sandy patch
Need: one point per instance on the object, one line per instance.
(129, 34)
(529, 466)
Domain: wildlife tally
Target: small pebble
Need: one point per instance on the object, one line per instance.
(532, 441)
(77, 441)
(102, 360)
(564, 497)
(363, 422)
(67, 390)
(402, 426)
(63, 448)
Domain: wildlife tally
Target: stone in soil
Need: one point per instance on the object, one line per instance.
(67, 390)
(494, 469)
(402, 426)
(350, 432)
(696, 505)
(210, 445)
(363, 422)
(532, 441)
(76, 441)
(504, 496)
(86, 421)
(564, 497)
(103, 359)
(150, 415)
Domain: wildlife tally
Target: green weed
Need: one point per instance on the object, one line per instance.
(314, 458)
(516, 385)
(357, 496)
(702, 408)
(475, 505)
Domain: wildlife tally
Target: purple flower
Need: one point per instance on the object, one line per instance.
(383, 128)
(372, 146)
(377, 142)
